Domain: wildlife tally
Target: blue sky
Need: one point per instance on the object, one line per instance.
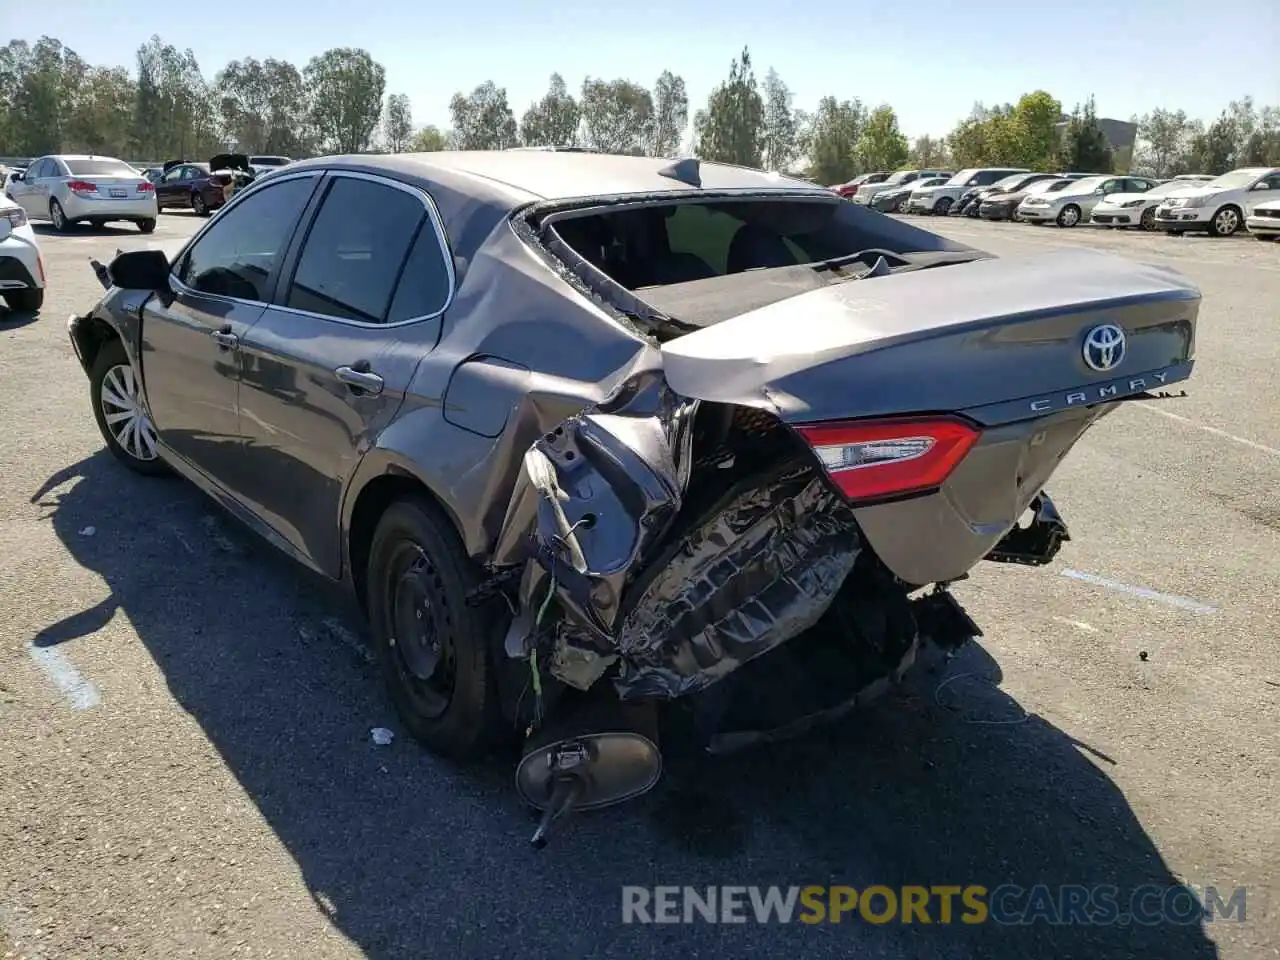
(1132, 54)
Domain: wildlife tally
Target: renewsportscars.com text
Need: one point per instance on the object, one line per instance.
(1008, 904)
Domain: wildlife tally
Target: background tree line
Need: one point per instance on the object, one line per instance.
(52, 100)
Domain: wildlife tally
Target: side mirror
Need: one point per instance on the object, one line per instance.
(1262, 186)
(1099, 192)
(140, 270)
(16, 177)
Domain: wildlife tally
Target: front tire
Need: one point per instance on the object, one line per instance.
(1069, 215)
(432, 647)
(1225, 222)
(1148, 219)
(123, 420)
(943, 206)
(27, 301)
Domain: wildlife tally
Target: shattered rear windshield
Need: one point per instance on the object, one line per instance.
(648, 246)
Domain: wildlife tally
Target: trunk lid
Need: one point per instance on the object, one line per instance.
(999, 338)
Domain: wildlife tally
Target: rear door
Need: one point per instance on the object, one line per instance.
(327, 366)
(190, 346)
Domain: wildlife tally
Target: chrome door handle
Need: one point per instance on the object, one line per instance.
(227, 341)
(361, 381)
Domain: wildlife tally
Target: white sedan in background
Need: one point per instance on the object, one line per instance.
(66, 189)
(1220, 206)
(1139, 209)
(21, 266)
(1264, 222)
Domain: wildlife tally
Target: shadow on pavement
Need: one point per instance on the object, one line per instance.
(409, 856)
(13, 319)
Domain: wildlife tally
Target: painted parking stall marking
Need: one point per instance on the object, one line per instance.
(1169, 599)
(81, 693)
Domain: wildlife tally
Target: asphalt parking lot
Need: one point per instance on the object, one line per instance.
(186, 767)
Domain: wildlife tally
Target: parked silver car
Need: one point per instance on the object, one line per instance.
(66, 189)
(1069, 207)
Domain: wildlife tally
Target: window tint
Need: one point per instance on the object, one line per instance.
(355, 250)
(424, 284)
(43, 168)
(100, 168)
(238, 253)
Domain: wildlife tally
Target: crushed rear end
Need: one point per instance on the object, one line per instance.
(808, 476)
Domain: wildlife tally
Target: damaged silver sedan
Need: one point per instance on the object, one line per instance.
(587, 434)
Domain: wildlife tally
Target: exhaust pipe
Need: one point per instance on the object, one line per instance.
(596, 753)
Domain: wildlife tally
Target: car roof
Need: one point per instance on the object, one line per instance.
(529, 175)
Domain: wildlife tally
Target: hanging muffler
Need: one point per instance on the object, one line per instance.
(595, 752)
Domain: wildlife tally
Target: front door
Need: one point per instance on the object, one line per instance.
(29, 193)
(170, 185)
(190, 346)
(327, 367)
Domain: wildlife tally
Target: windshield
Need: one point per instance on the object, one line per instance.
(1235, 179)
(961, 178)
(100, 168)
(1048, 186)
(1160, 189)
(1088, 183)
(1010, 183)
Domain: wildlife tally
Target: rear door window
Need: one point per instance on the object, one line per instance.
(356, 249)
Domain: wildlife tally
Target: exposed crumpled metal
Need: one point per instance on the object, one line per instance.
(761, 569)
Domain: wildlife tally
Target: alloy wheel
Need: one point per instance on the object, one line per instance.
(1226, 221)
(1069, 216)
(1148, 219)
(57, 216)
(124, 414)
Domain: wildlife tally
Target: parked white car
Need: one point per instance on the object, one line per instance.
(940, 200)
(895, 181)
(1139, 209)
(1069, 207)
(21, 266)
(1220, 206)
(66, 189)
(1264, 221)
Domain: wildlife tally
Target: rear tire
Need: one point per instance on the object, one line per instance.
(31, 300)
(432, 647)
(115, 391)
(198, 205)
(147, 226)
(59, 218)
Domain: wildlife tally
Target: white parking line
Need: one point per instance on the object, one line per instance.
(81, 692)
(1208, 429)
(1170, 599)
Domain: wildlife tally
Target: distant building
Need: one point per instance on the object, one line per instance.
(1121, 134)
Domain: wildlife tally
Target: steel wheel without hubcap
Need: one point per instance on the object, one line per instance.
(420, 638)
(1226, 222)
(1069, 216)
(123, 413)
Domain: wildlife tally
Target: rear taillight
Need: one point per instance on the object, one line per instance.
(145, 187)
(877, 459)
(82, 186)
